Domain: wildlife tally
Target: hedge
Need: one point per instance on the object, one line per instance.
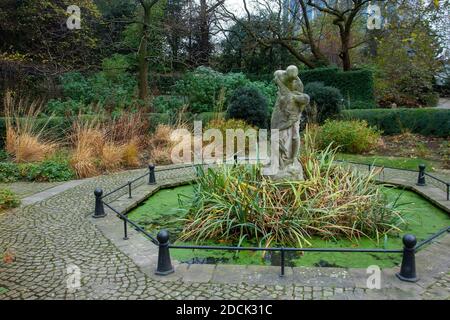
(427, 121)
(356, 86)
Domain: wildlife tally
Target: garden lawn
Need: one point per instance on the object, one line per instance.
(387, 161)
(162, 211)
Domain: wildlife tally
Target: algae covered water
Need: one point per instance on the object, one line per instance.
(164, 210)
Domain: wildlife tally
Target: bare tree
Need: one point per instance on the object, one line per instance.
(288, 27)
(345, 13)
(201, 19)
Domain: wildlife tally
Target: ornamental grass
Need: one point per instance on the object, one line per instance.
(238, 203)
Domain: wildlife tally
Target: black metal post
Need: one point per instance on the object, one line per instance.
(421, 179)
(99, 211)
(129, 190)
(282, 262)
(125, 230)
(408, 267)
(448, 192)
(151, 174)
(370, 168)
(164, 264)
(235, 159)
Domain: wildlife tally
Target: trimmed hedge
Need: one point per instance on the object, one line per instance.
(427, 121)
(356, 86)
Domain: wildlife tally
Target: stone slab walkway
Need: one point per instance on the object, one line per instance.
(57, 232)
(24, 189)
(50, 192)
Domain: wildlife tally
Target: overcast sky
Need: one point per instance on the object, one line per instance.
(234, 4)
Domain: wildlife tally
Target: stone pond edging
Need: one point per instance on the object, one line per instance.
(326, 282)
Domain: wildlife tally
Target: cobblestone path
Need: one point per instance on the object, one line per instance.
(45, 238)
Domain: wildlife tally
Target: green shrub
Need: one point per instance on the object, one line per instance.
(8, 199)
(3, 155)
(203, 88)
(348, 136)
(110, 88)
(69, 107)
(248, 104)
(327, 99)
(9, 172)
(268, 90)
(115, 66)
(164, 104)
(50, 170)
(427, 121)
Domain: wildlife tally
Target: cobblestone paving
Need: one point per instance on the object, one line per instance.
(45, 238)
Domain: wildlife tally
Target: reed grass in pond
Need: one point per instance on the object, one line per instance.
(162, 211)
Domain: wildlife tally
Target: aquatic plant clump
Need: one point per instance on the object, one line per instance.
(237, 203)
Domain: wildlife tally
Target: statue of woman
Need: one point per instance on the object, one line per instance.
(290, 103)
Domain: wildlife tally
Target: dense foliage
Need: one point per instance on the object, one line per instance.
(408, 58)
(205, 89)
(8, 199)
(248, 104)
(327, 100)
(348, 136)
(428, 121)
(50, 170)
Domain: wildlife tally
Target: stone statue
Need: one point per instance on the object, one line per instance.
(291, 101)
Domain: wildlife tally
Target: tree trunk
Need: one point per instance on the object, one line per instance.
(345, 52)
(204, 46)
(344, 55)
(142, 58)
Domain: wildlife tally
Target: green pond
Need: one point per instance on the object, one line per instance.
(162, 211)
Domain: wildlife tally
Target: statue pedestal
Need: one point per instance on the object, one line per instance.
(292, 172)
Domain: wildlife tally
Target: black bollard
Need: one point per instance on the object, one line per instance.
(408, 267)
(421, 179)
(164, 264)
(99, 211)
(151, 174)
